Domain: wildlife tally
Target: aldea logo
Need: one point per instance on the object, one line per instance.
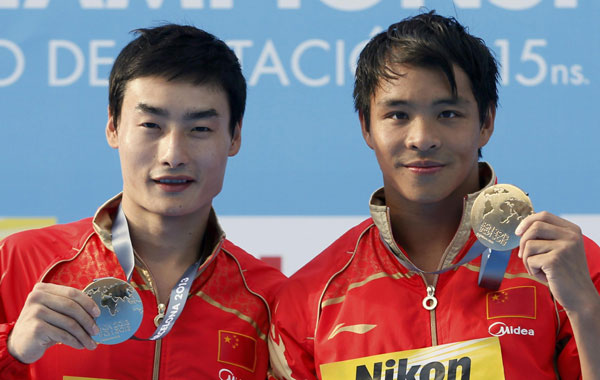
(501, 329)
(341, 5)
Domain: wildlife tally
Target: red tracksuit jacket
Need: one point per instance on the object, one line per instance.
(356, 312)
(228, 305)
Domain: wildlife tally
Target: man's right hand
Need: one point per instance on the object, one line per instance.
(53, 314)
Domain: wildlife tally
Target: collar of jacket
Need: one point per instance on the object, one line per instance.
(381, 216)
(103, 220)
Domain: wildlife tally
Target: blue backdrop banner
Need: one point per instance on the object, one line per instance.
(302, 150)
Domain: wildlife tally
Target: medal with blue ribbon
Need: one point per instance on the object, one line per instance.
(496, 213)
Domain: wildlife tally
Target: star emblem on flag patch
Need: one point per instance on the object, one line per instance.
(237, 349)
(500, 296)
(516, 302)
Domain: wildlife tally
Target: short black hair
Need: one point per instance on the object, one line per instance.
(432, 41)
(179, 52)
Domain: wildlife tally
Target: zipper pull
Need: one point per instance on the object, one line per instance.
(430, 302)
(161, 314)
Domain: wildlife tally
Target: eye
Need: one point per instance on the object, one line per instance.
(449, 114)
(200, 129)
(150, 125)
(398, 115)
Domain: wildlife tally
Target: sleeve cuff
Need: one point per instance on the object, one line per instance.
(10, 367)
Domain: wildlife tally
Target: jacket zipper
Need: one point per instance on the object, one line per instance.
(161, 313)
(430, 303)
(162, 307)
(156, 368)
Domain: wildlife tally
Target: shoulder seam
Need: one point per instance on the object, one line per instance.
(266, 304)
(353, 254)
(78, 251)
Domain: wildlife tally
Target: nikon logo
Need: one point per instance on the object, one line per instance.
(500, 329)
(400, 370)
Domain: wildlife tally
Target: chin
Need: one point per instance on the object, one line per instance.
(170, 210)
(424, 197)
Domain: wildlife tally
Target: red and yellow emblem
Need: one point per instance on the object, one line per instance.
(517, 302)
(237, 349)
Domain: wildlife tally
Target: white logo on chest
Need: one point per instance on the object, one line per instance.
(501, 329)
(225, 374)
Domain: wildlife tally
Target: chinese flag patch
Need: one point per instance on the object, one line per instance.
(517, 302)
(237, 349)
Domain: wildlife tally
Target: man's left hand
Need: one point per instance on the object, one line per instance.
(552, 250)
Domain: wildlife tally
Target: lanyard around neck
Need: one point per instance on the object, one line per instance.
(121, 241)
(491, 272)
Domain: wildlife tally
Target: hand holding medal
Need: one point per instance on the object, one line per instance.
(552, 250)
(53, 314)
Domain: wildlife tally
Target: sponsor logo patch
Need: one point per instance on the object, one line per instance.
(225, 374)
(473, 359)
(501, 329)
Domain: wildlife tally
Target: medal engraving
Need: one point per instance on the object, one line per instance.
(496, 213)
(121, 309)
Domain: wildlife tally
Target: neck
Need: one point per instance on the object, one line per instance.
(421, 229)
(165, 243)
(424, 230)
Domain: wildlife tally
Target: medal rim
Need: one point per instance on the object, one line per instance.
(479, 199)
(135, 294)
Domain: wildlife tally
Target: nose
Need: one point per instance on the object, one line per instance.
(422, 136)
(173, 149)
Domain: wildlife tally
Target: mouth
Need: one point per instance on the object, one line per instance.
(172, 181)
(173, 184)
(424, 167)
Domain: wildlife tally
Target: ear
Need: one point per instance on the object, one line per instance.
(366, 133)
(111, 132)
(487, 128)
(236, 140)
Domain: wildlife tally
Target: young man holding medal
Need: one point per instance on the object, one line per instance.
(153, 256)
(428, 286)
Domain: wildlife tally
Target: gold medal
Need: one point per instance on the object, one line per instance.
(496, 213)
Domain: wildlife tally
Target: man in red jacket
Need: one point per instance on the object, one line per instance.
(400, 296)
(153, 256)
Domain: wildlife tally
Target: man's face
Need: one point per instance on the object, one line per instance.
(425, 139)
(173, 139)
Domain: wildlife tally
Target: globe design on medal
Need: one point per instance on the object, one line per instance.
(121, 309)
(496, 214)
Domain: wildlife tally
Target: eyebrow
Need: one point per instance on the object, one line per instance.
(189, 115)
(459, 101)
(452, 101)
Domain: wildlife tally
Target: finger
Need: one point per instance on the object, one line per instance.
(56, 335)
(64, 306)
(65, 323)
(533, 248)
(75, 294)
(536, 264)
(541, 231)
(543, 216)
